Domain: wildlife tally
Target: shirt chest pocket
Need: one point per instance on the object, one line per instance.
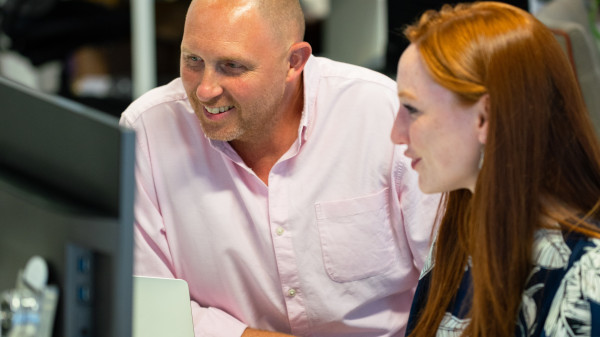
(356, 236)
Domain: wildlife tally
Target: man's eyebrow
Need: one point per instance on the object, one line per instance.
(186, 50)
(222, 59)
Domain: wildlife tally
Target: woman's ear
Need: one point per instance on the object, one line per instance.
(483, 114)
(299, 54)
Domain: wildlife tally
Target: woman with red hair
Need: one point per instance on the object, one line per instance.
(491, 115)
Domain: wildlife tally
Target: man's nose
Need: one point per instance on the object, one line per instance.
(209, 86)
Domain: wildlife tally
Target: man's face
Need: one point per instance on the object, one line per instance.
(233, 69)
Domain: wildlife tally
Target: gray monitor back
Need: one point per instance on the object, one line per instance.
(66, 194)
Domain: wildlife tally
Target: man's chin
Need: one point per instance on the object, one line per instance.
(220, 135)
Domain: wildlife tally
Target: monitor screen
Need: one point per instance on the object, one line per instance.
(66, 195)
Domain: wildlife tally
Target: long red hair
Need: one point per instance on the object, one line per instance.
(542, 156)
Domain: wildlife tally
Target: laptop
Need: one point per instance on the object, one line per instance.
(161, 307)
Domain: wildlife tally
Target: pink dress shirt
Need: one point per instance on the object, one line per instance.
(333, 246)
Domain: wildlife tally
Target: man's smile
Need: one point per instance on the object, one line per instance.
(218, 110)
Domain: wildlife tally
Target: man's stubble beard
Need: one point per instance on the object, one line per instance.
(237, 127)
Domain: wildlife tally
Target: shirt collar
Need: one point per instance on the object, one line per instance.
(311, 85)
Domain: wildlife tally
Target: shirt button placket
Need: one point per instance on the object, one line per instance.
(284, 251)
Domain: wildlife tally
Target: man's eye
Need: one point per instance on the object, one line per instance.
(233, 68)
(193, 60)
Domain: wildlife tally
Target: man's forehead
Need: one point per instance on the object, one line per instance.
(234, 6)
(229, 24)
(229, 12)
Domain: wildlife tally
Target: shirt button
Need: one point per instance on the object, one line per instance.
(292, 292)
(279, 231)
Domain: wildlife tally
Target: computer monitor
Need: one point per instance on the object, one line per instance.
(66, 194)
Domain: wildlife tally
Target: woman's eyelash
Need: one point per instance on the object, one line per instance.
(410, 109)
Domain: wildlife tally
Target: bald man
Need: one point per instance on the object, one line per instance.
(266, 179)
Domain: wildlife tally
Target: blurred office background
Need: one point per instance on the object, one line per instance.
(104, 53)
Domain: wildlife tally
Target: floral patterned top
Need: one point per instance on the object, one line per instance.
(561, 298)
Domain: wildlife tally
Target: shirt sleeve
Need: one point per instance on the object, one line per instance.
(417, 210)
(152, 255)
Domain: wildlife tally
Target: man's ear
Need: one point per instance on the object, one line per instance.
(299, 54)
(483, 117)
